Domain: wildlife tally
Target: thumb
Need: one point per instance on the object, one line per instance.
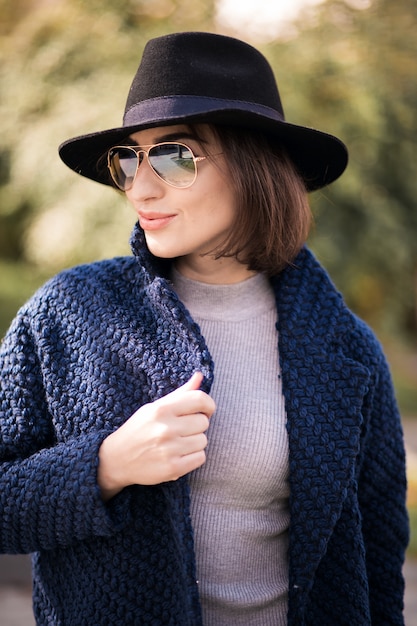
(193, 384)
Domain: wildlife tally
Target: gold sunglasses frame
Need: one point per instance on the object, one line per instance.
(145, 150)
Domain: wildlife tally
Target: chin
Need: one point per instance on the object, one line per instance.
(159, 250)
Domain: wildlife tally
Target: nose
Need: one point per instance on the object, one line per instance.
(146, 184)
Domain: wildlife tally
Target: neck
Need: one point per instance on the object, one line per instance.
(223, 271)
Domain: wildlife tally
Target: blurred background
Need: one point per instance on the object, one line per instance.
(348, 67)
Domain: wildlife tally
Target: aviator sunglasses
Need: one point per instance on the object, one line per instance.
(172, 162)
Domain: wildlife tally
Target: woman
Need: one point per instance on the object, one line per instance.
(203, 433)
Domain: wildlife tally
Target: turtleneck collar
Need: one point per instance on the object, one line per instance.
(232, 302)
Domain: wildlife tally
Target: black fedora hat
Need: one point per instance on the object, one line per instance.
(195, 77)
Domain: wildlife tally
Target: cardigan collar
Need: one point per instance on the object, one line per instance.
(151, 266)
(324, 388)
(154, 278)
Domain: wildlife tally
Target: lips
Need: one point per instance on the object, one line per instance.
(155, 221)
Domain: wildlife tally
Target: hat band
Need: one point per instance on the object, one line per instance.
(176, 107)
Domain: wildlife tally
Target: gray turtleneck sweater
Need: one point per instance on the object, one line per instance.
(239, 503)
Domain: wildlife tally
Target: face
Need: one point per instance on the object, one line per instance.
(186, 224)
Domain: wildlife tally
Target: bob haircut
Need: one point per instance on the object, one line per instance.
(274, 215)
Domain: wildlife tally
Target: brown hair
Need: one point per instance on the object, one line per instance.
(274, 216)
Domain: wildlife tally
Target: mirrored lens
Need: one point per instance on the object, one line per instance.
(174, 163)
(123, 164)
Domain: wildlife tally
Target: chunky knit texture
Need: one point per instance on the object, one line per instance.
(100, 340)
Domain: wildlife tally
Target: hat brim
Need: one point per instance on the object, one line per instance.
(320, 158)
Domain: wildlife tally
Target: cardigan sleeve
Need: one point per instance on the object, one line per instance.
(382, 497)
(49, 494)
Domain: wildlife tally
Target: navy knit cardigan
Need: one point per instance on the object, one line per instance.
(100, 340)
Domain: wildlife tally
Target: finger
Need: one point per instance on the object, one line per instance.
(193, 384)
(192, 424)
(186, 464)
(193, 443)
(193, 403)
(189, 399)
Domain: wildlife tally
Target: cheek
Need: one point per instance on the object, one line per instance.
(221, 202)
(213, 214)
